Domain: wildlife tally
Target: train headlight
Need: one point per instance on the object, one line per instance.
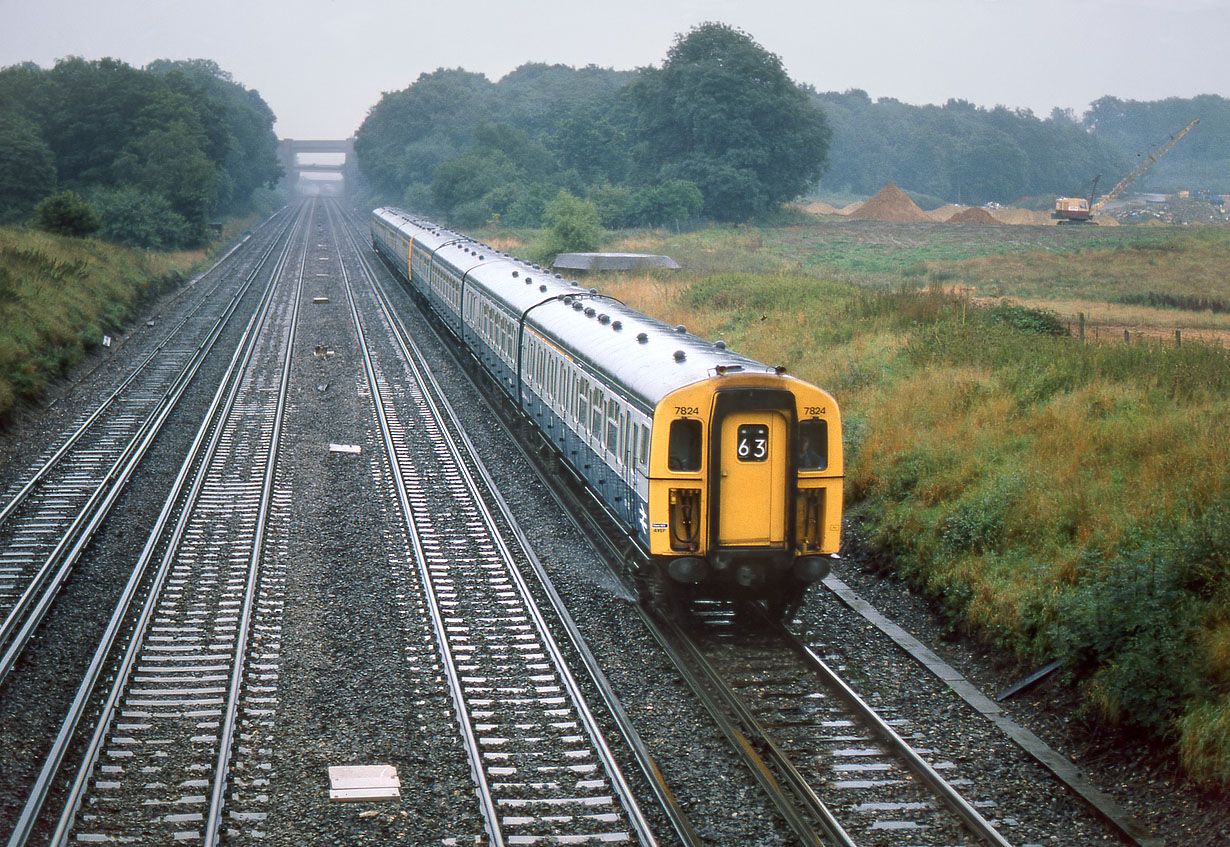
(689, 569)
(811, 568)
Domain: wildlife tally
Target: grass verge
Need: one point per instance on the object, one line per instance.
(59, 296)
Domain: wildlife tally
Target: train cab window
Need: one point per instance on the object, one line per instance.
(813, 452)
(683, 453)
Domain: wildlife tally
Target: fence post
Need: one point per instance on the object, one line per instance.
(1178, 338)
(1127, 337)
(1082, 326)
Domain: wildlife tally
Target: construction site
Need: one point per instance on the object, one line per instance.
(1113, 208)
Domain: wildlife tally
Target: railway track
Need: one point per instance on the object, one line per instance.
(61, 500)
(541, 766)
(157, 762)
(838, 770)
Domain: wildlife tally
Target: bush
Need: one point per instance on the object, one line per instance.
(1131, 628)
(137, 219)
(574, 225)
(65, 213)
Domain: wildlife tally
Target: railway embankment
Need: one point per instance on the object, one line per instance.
(60, 297)
(1056, 498)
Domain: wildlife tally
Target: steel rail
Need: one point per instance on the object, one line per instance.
(34, 603)
(197, 457)
(442, 409)
(640, 751)
(93, 417)
(926, 774)
(213, 820)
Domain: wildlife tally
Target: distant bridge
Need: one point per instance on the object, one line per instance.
(318, 167)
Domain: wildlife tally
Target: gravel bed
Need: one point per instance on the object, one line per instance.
(359, 681)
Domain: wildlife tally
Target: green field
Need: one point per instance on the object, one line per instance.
(1060, 499)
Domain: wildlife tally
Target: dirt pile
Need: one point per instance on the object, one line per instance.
(819, 207)
(890, 204)
(1022, 217)
(850, 208)
(943, 213)
(973, 215)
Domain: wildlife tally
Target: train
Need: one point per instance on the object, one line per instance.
(724, 474)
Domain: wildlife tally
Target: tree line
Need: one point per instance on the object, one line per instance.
(719, 131)
(143, 157)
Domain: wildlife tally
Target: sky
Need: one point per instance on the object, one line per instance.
(322, 64)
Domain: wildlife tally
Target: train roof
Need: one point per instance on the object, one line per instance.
(646, 356)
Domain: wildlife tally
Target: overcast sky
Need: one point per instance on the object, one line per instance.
(321, 64)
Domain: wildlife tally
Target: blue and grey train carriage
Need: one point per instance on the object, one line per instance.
(725, 473)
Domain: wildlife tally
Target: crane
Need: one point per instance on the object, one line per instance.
(1078, 209)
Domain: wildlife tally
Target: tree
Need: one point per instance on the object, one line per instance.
(722, 113)
(27, 168)
(65, 213)
(574, 224)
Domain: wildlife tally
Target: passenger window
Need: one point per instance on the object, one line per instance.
(683, 454)
(813, 452)
(642, 453)
(583, 404)
(612, 425)
(596, 407)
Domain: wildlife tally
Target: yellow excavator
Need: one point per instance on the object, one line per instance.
(1081, 210)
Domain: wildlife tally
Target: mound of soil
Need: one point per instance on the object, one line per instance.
(850, 209)
(1023, 217)
(890, 204)
(819, 207)
(943, 213)
(973, 215)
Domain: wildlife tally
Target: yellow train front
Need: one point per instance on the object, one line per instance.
(745, 486)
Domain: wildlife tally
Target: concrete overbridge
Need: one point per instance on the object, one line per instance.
(318, 167)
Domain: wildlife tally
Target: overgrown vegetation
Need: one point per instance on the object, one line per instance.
(1059, 499)
(59, 296)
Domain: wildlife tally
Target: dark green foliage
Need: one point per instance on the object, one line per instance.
(64, 213)
(140, 219)
(959, 151)
(1163, 300)
(181, 131)
(1200, 160)
(574, 225)
(723, 114)
(472, 151)
(1040, 321)
(977, 525)
(1137, 617)
(27, 167)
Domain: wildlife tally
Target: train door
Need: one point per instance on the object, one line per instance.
(752, 488)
